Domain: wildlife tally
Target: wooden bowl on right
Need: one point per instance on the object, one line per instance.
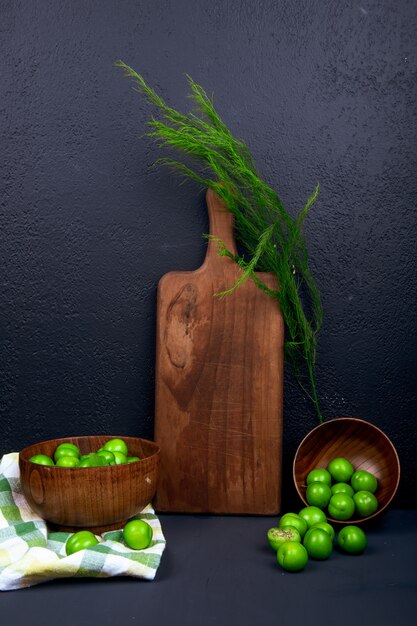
(363, 444)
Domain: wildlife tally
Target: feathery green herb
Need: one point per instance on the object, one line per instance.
(272, 240)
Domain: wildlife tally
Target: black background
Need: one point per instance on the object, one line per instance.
(321, 91)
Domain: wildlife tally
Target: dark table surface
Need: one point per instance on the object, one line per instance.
(220, 570)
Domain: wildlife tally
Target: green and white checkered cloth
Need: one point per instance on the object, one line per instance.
(30, 554)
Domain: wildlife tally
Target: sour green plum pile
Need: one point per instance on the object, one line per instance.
(114, 452)
(341, 490)
(308, 535)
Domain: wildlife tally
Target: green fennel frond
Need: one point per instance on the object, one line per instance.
(272, 240)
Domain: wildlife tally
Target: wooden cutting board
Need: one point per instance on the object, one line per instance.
(219, 386)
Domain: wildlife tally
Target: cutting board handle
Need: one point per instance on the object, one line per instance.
(221, 225)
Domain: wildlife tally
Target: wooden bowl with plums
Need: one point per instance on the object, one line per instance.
(367, 449)
(92, 497)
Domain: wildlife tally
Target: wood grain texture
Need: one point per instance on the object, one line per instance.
(363, 444)
(95, 498)
(219, 386)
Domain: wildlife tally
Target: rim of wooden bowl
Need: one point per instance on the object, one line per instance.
(360, 520)
(23, 452)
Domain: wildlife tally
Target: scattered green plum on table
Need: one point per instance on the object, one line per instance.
(352, 540)
(326, 527)
(312, 515)
(292, 519)
(292, 556)
(278, 536)
(318, 543)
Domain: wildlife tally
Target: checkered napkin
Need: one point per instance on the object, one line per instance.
(30, 554)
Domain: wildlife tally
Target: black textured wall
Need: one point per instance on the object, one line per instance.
(320, 90)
